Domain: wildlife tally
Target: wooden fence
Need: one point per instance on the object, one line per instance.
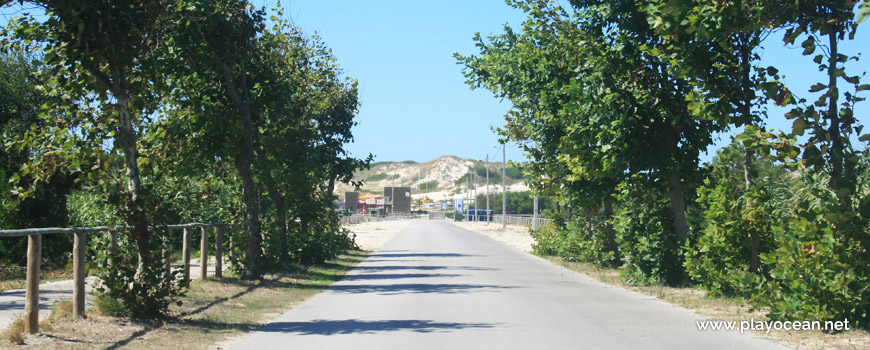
(34, 247)
(525, 220)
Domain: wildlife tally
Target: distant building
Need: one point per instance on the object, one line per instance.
(351, 201)
(402, 202)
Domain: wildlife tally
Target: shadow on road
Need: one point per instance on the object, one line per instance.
(422, 255)
(416, 288)
(330, 327)
(389, 276)
(367, 269)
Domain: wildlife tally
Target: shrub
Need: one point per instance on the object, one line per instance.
(719, 260)
(820, 269)
(645, 233)
(584, 239)
(129, 290)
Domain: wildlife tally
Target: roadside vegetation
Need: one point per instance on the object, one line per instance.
(139, 114)
(613, 101)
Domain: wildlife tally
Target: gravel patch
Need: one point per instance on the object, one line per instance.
(372, 235)
(516, 236)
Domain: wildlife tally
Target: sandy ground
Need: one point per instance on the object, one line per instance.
(374, 234)
(515, 235)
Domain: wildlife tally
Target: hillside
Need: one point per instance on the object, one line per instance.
(445, 177)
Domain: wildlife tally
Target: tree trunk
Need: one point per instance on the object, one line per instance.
(610, 231)
(281, 216)
(836, 150)
(745, 112)
(243, 165)
(126, 140)
(754, 235)
(678, 205)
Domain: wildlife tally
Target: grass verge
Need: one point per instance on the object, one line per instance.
(723, 309)
(215, 313)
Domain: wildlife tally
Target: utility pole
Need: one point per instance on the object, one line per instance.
(468, 198)
(476, 213)
(535, 217)
(393, 196)
(487, 188)
(504, 185)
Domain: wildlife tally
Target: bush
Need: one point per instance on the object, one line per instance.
(645, 233)
(584, 239)
(130, 291)
(820, 269)
(720, 258)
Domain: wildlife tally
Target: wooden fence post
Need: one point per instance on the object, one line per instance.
(203, 253)
(79, 274)
(167, 251)
(231, 247)
(219, 252)
(113, 244)
(31, 303)
(185, 253)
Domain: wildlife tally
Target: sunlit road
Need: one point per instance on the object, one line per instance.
(436, 286)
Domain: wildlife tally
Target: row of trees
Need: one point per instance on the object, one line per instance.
(196, 111)
(614, 100)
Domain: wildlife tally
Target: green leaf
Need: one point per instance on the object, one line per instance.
(818, 87)
(809, 46)
(799, 126)
(863, 87)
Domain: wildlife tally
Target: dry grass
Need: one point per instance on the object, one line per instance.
(14, 334)
(724, 309)
(213, 312)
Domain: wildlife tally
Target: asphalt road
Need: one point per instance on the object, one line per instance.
(437, 286)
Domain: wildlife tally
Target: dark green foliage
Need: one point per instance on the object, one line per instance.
(46, 206)
(495, 173)
(514, 173)
(130, 291)
(820, 267)
(521, 203)
(720, 258)
(377, 177)
(430, 186)
(584, 239)
(644, 232)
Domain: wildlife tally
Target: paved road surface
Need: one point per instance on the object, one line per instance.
(437, 286)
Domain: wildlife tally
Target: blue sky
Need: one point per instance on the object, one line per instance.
(415, 104)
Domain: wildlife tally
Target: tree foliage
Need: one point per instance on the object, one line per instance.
(612, 102)
(188, 111)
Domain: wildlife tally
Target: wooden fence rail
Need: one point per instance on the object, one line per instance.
(521, 220)
(34, 247)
